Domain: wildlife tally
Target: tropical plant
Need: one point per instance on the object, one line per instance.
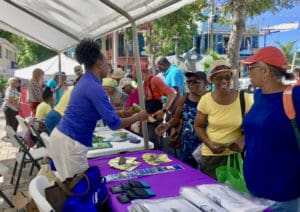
(287, 50)
(213, 55)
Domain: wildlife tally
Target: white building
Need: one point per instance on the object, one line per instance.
(8, 59)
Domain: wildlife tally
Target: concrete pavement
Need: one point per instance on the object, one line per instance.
(7, 157)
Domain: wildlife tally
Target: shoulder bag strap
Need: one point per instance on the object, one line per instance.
(242, 103)
(289, 110)
(73, 182)
(150, 87)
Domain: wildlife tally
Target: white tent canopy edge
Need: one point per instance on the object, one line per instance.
(50, 67)
(64, 23)
(60, 25)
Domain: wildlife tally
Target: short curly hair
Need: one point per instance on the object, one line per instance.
(87, 53)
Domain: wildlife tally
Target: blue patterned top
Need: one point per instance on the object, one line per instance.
(189, 139)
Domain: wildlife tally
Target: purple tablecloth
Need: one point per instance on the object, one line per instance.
(163, 184)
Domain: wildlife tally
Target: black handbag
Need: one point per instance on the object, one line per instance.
(78, 193)
(153, 105)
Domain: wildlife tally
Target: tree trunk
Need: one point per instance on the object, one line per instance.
(236, 35)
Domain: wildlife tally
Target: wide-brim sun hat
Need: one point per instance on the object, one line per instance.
(118, 73)
(124, 81)
(109, 82)
(269, 55)
(218, 66)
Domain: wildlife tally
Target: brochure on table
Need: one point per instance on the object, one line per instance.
(118, 144)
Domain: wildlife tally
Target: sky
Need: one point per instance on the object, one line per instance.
(269, 19)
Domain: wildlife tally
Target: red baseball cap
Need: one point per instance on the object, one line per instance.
(269, 55)
(144, 67)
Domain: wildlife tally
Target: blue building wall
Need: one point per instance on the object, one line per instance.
(221, 33)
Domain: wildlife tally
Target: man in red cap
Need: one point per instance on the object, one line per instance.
(272, 162)
(154, 90)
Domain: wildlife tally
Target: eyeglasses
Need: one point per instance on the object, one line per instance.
(194, 81)
(222, 67)
(250, 68)
(221, 78)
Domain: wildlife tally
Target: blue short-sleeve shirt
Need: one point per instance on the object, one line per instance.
(174, 78)
(51, 83)
(88, 103)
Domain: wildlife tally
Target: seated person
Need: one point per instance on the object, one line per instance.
(132, 102)
(45, 106)
(117, 98)
(133, 94)
(58, 111)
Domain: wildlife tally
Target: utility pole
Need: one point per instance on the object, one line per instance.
(211, 26)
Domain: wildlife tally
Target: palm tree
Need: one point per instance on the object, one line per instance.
(287, 49)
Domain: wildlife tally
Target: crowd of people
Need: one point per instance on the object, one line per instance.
(217, 120)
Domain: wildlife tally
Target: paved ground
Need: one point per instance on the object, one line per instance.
(7, 157)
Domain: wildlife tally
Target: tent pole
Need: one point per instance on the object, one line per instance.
(115, 49)
(139, 79)
(137, 61)
(59, 67)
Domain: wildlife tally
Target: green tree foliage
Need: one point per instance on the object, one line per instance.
(177, 24)
(3, 83)
(214, 56)
(29, 53)
(287, 50)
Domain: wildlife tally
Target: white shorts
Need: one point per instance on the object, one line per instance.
(69, 156)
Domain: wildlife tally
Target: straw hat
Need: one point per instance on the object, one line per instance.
(118, 73)
(218, 66)
(124, 81)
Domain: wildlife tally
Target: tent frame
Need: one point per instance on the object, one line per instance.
(131, 20)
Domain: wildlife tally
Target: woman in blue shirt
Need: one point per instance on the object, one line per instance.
(88, 103)
(272, 162)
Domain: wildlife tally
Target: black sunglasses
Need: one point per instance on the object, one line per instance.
(220, 78)
(194, 81)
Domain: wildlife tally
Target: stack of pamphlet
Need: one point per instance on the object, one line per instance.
(208, 197)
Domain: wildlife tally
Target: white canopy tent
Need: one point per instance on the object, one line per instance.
(61, 24)
(50, 67)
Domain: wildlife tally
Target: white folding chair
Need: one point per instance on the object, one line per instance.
(23, 125)
(3, 170)
(45, 137)
(37, 192)
(24, 156)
